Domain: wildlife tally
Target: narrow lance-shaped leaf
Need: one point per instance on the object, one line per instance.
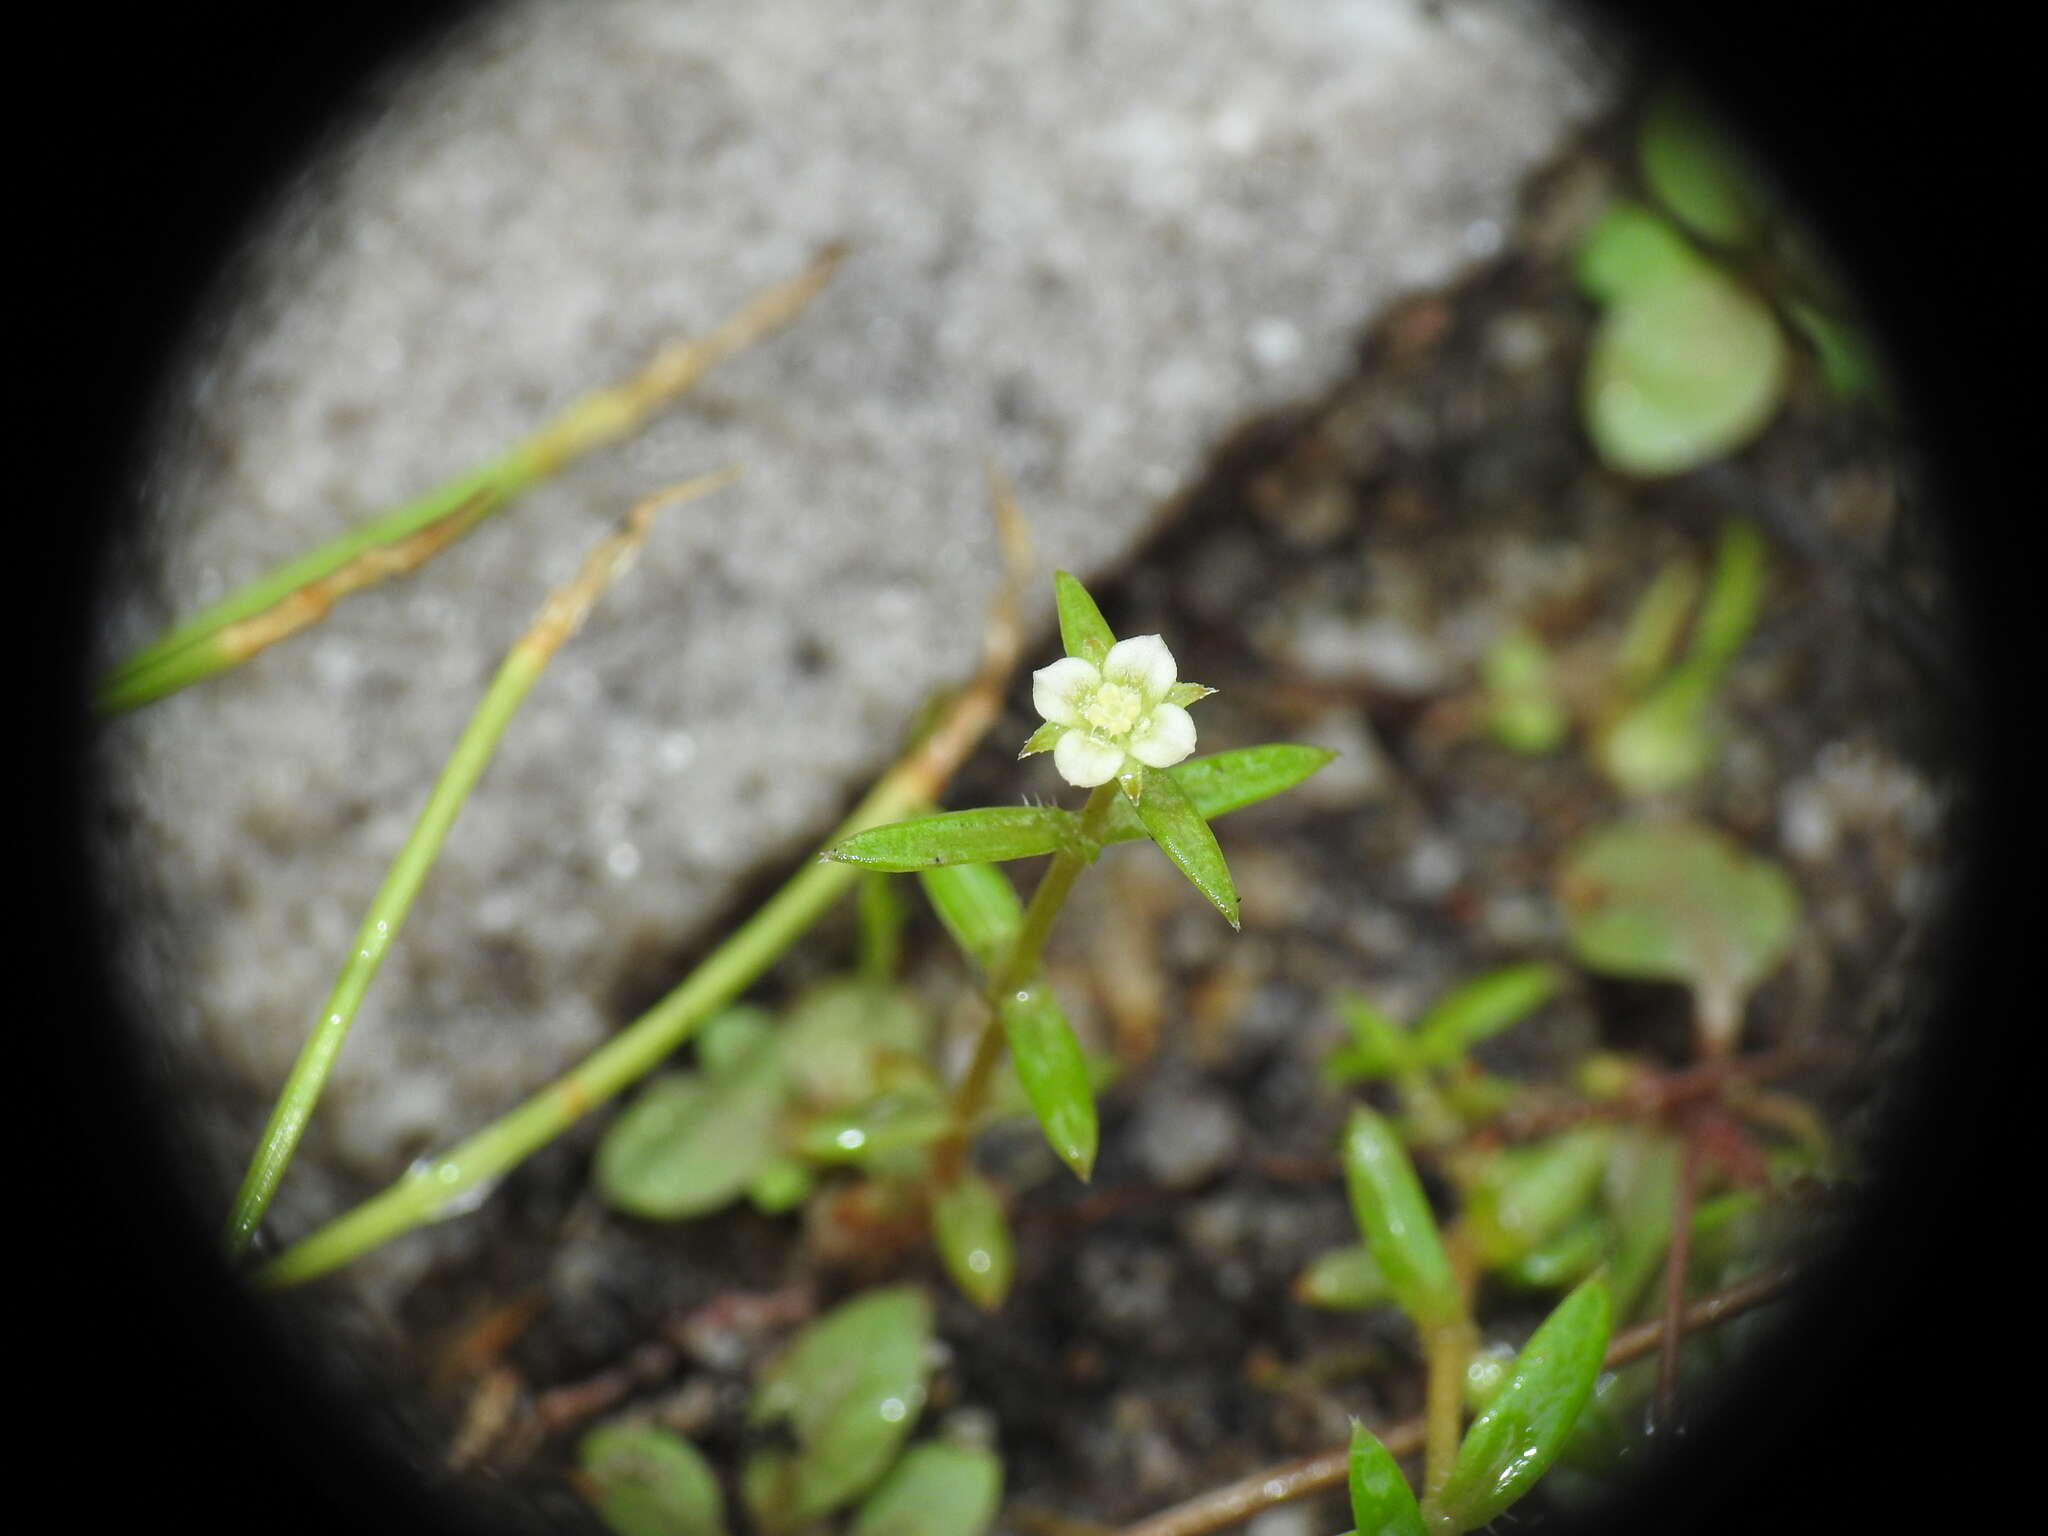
(979, 907)
(885, 1124)
(937, 1489)
(1515, 1440)
(1344, 1280)
(1379, 1047)
(834, 1409)
(1083, 630)
(1387, 1200)
(981, 836)
(649, 1481)
(1053, 1072)
(1226, 781)
(973, 1239)
(1526, 1195)
(1382, 1504)
(1481, 1008)
(1184, 837)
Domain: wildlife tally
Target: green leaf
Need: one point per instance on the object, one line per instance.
(1564, 1259)
(691, 1144)
(1681, 373)
(783, 1184)
(1848, 359)
(833, 1410)
(1662, 740)
(1225, 782)
(1523, 709)
(883, 1125)
(1630, 248)
(1053, 1073)
(842, 1035)
(647, 1481)
(1642, 1186)
(1083, 631)
(1514, 1441)
(1044, 739)
(1184, 837)
(1486, 1373)
(1524, 1196)
(1698, 172)
(937, 1489)
(1677, 901)
(982, 836)
(1387, 1200)
(1379, 1047)
(1656, 625)
(1381, 1502)
(1482, 1008)
(973, 1239)
(1734, 594)
(728, 1040)
(1344, 1280)
(882, 911)
(978, 906)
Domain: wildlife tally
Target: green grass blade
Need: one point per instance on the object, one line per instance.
(559, 618)
(294, 594)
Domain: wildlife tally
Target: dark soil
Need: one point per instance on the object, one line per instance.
(1334, 575)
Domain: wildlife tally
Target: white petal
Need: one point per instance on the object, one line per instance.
(1085, 762)
(1166, 738)
(1142, 662)
(1054, 689)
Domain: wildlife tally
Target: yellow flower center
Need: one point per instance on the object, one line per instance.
(1114, 709)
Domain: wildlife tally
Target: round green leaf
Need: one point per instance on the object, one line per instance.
(690, 1144)
(1677, 901)
(834, 1408)
(1629, 248)
(1682, 372)
(937, 1489)
(839, 1034)
(647, 1481)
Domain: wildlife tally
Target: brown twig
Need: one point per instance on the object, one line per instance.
(1223, 1507)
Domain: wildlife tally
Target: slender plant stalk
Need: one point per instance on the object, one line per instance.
(970, 1097)
(451, 1182)
(299, 592)
(559, 618)
(1234, 1502)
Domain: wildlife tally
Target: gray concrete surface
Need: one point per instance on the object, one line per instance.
(1088, 237)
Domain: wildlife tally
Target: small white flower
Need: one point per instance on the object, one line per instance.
(1099, 720)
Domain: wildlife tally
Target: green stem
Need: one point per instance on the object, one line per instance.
(1016, 969)
(431, 1187)
(515, 678)
(255, 615)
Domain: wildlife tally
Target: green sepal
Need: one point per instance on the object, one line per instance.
(978, 906)
(1044, 739)
(1387, 1200)
(1226, 781)
(1382, 1504)
(1083, 630)
(1185, 694)
(985, 835)
(973, 1239)
(1513, 1442)
(1184, 837)
(1053, 1073)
